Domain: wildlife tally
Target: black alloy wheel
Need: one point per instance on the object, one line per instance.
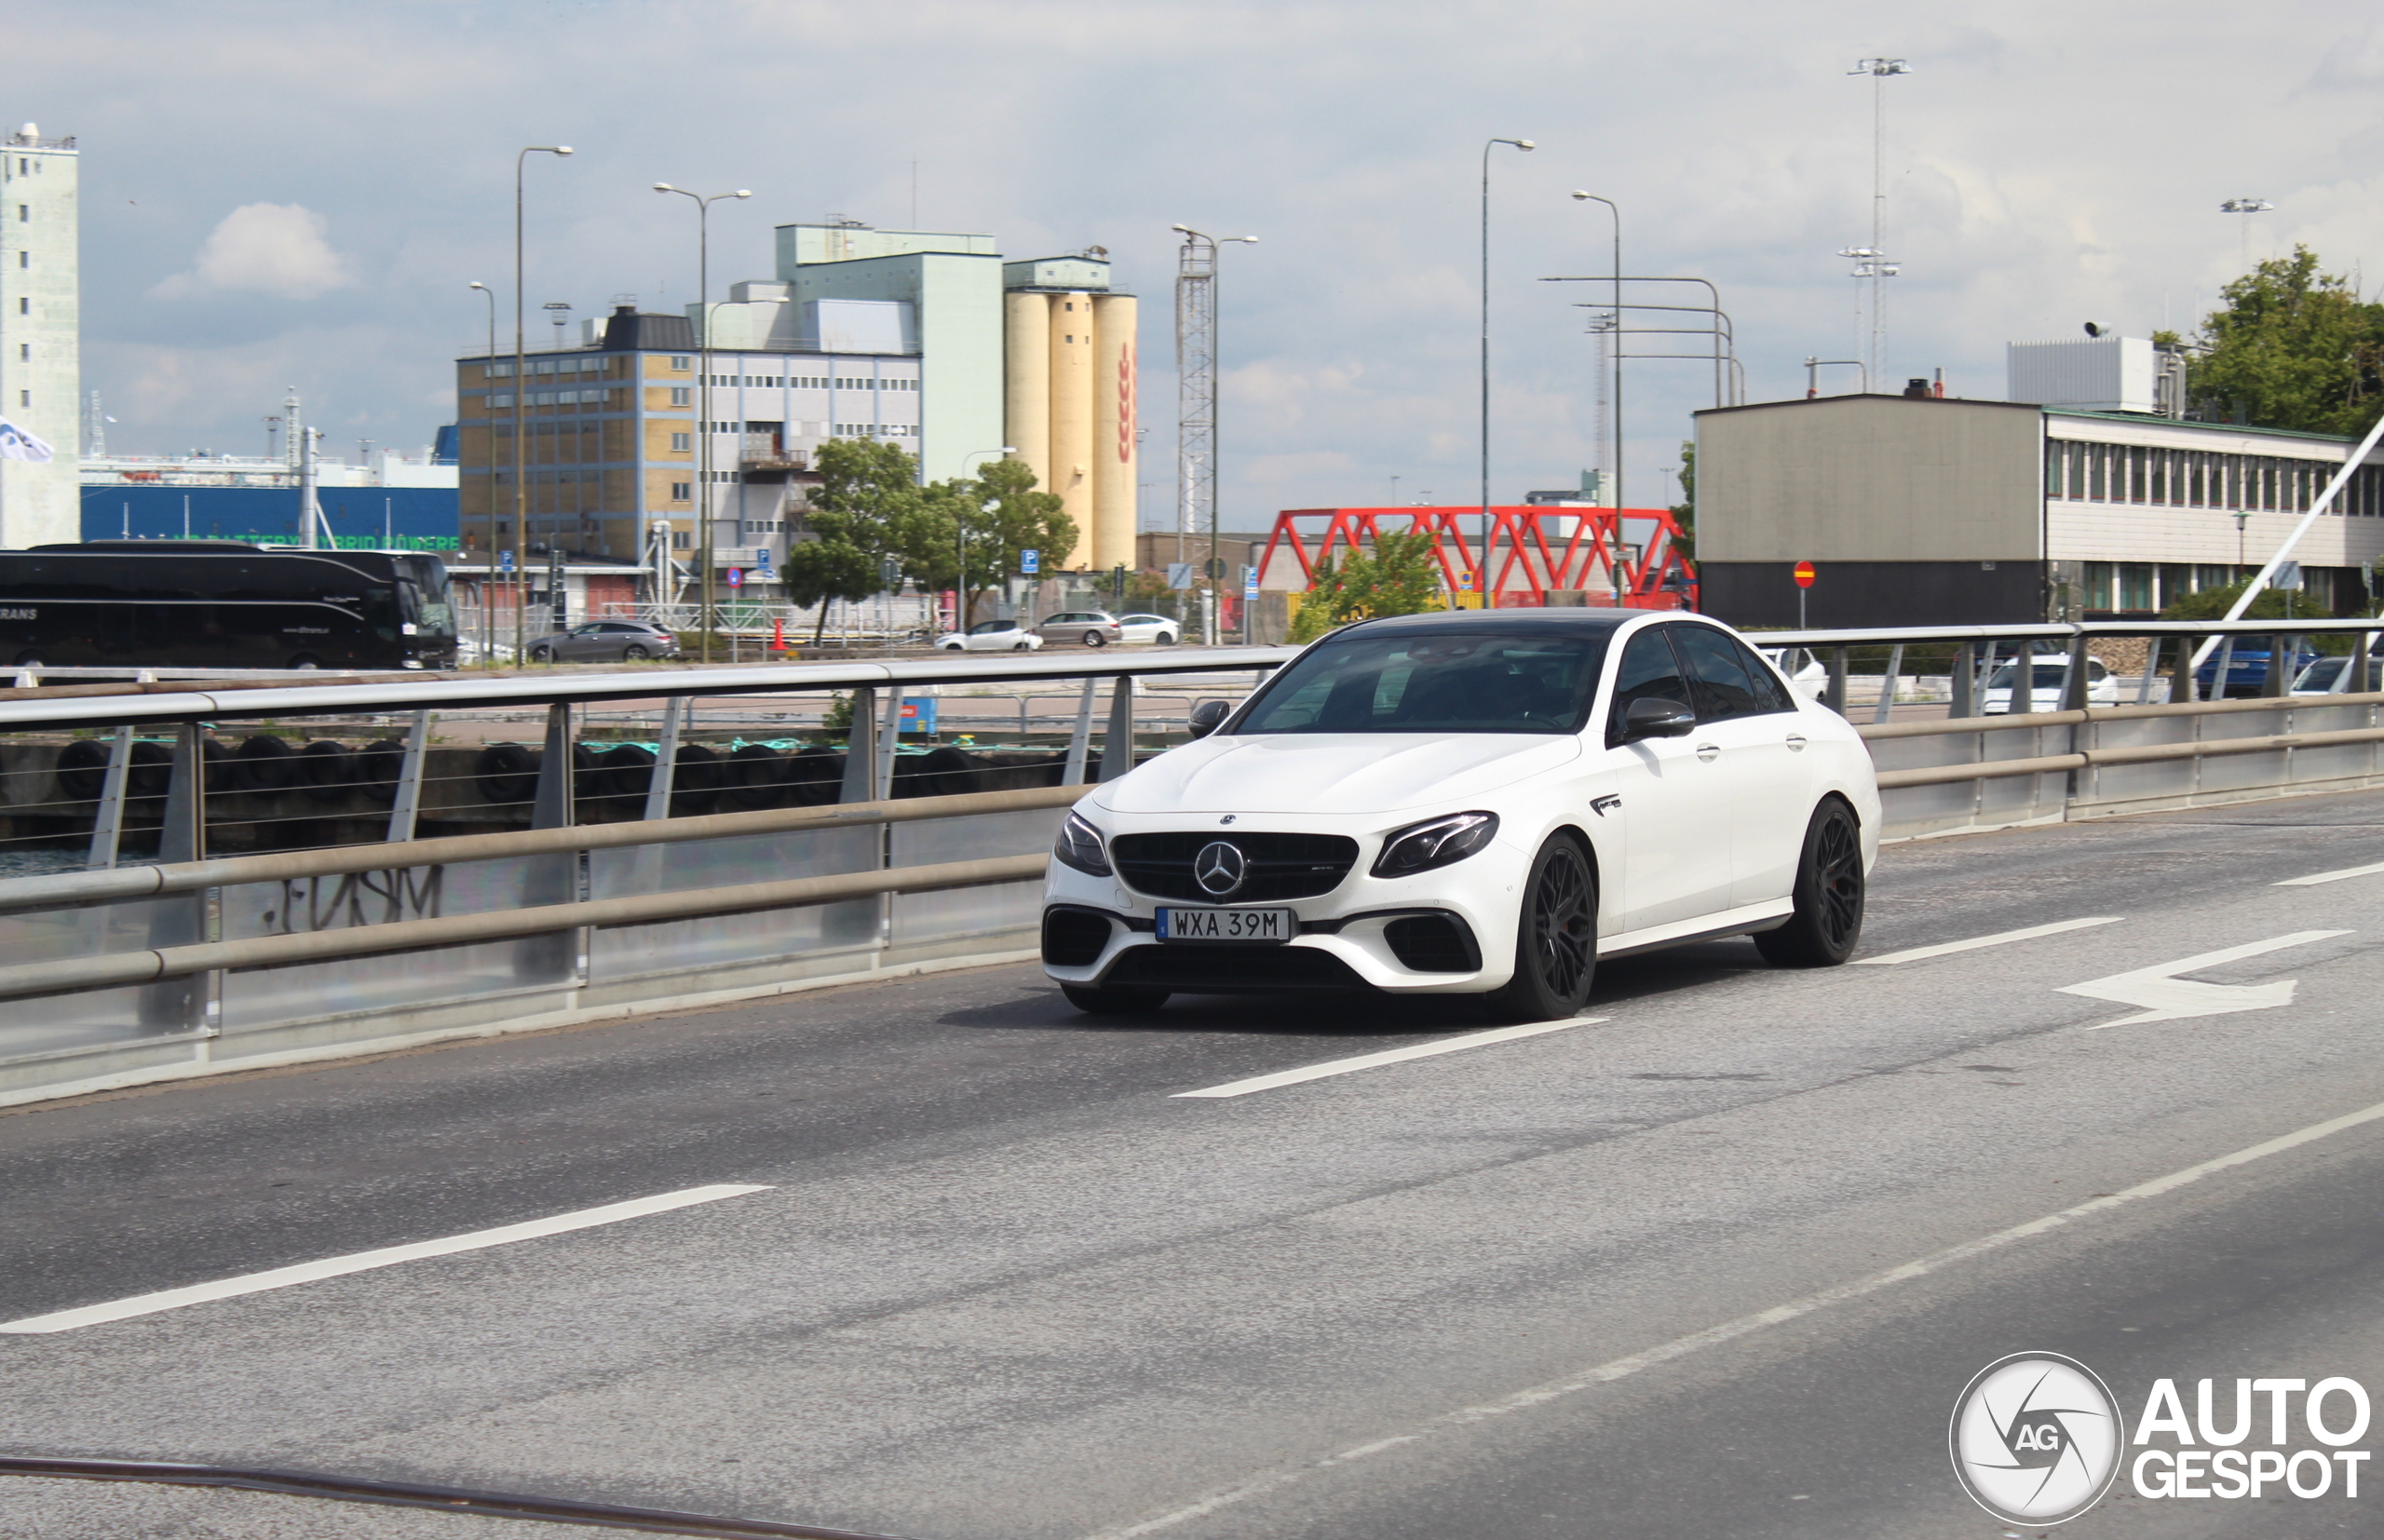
(1119, 1001)
(1556, 938)
(1828, 918)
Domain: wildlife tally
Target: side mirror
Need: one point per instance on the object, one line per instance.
(1657, 718)
(1210, 715)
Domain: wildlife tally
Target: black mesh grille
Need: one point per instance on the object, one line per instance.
(1431, 943)
(1226, 969)
(1073, 937)
(1281, 866)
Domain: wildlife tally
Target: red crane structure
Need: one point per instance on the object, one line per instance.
(1624, 557)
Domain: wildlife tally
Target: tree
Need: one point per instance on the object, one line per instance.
(2294, 347)
(2271, 604)
(829, 567)
(1685, 511)
(998, 516)
(867, 491)
(1402, 576)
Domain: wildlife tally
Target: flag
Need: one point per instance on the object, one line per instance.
(17, 444)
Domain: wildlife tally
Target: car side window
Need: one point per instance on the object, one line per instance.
(1768, 689)
(1649, 671)
(1723, 689)
(987, 628)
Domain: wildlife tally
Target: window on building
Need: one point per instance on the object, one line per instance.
(681, 396)
(2097, 471)
(682, 492)
(24, 213)
(24, 398)
(681, 540)
(681, 443)
(2098, 585)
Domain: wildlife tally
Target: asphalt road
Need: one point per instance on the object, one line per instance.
(1635, 1277)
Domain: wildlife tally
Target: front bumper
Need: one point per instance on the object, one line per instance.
(1450, 931)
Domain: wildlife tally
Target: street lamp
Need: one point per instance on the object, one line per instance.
(521, 456)
(2246, 205)
(1613, 208)
(709, 620)
(1198, 266)
(488, 584)
(960, 537)
(1481, 577)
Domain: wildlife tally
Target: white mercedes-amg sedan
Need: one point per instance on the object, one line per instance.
(1471, 803)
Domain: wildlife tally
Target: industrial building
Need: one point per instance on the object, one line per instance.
(41, 371)
(920, 338)
(1921, 509)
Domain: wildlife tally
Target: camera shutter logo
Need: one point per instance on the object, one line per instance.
(2035, 1439)
(1219, 869)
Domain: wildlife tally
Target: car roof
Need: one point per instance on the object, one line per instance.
(1578, 622)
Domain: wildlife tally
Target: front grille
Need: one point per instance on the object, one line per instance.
(1226, 969)
(1281, 866)
(1432, 943)
(1073, 937)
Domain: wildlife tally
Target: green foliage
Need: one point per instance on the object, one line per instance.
(839, 715)
(1401, 576)
(828, 568)
(1685, 511)
(2292, 348)
(866, 489)
(2271, 604)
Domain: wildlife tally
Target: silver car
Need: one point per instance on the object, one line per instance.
(1092, 628)
(605, 640)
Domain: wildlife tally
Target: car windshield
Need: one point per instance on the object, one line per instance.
(1433, 681)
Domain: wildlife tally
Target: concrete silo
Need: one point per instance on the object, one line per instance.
(1070, 386)
(1113, 449)
(1026, 379)
(1070, 335)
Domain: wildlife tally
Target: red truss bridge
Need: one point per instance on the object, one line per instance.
(1625, 556)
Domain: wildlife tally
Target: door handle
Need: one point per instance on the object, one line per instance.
(1795, 743)
(1709, 752)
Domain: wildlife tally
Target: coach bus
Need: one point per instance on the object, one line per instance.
(223, 604)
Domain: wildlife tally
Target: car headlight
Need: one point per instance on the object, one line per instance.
(1080, 847)
(1422, 846)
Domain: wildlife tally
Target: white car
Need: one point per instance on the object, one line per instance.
(990, 635)
(1155, 629)
(1469, 804)
(2050, 682)
(1804, 672)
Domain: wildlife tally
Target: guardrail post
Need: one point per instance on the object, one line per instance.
(407, 809)
(2151, 667)
(2073, 684)
(1081, 740)
(2281, 649)
(1834, 696)
(889, 736)
(181, 1005)
(550, 806)
(1118, 746)
(665, 758)
(2181, 673)
(1888, 683)
(184, 838)
(860, 746)
(107, 825)
(1965, 680)
(2221, 676)
(2021, 697)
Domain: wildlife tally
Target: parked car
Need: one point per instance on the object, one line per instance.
(1154, 629)
(2320, 678)
(605, 640)
(991, 636)
(1092, 628)
(1470, 804)
(2049, 688)
(2247, 666)
(1804, 672)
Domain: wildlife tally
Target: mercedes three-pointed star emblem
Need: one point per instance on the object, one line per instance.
(1219, 869)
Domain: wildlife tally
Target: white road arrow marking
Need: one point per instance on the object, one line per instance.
(2165, 997)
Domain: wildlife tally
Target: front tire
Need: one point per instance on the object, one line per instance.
(1828, 920)
(1114, 1002)
(1556, 938)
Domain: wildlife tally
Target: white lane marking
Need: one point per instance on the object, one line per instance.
(2167, 998)
(1390, 1056)
(1713, 1336)
(2317, 877)
(2031, 933)
(387, 1256)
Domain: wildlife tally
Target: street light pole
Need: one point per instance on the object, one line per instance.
(2246, 207)
(1481, 573)
(520, 456)
(706, 619)
(488, 583)
(1613, 208)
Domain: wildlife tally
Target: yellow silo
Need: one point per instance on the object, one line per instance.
(1113, 431)
(1072, 395)
(1026, 379)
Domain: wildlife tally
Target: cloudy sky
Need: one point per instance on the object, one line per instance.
(280, 194)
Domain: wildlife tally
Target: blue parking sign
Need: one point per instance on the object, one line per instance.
(1030, 561)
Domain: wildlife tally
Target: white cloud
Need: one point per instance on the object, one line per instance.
(272, 247)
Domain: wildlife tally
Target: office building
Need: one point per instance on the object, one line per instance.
(41, 375)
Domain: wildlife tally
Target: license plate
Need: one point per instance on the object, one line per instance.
(1227, 925)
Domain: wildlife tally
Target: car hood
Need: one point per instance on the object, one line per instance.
(1332, 772)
